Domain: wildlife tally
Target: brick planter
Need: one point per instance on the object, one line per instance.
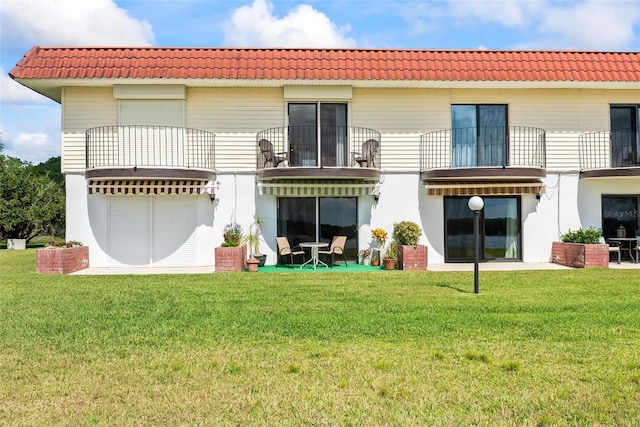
(62, 260)
(580, 255)
(231, 258)
(413, 257)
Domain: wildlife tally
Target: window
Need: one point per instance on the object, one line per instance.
(625, 150)
(306, 149)
(479, 135)
(620, 211)
(499, 229)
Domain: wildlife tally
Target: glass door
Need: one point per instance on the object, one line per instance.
(310, 219)
(333, 134)
(624, 137)
(304, 147)
(303, 137)
(478, 135)
(499, 229)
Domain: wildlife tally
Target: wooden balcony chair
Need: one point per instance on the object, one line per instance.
(336, 248)
(613, 247)
(284, 249)
(269, 155)
(367, 157)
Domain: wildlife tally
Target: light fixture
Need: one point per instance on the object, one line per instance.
(212, 196)
(476, 204)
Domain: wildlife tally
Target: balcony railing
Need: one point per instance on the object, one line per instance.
(318, 146)
(609, 149)
(492, 146)
(149, 146)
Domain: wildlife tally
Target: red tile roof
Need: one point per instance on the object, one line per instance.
(326, 64)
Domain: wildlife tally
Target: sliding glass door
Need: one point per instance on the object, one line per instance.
(304, 146)
(625, 150)
(310, 219)
(499, 229)
(478, 135)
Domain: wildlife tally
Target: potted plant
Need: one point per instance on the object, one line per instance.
(62, 257)
(253, 241)
(231, 255)
(364, 256)
(375, 261)
(379, 236)
(581, 248)
(411, 255)
(390, 257)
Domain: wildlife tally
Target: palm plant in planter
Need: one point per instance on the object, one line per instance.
(253, 240)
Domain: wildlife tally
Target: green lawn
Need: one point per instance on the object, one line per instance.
(418, 348)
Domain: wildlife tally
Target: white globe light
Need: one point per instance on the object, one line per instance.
(476, 203)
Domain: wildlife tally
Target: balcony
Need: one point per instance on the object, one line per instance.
(156, 152)
(318, 152)
(495, 153)
(609, 154)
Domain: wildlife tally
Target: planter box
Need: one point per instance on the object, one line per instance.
(580, 255)
(62, 260)
(413, 257)
(231, 259)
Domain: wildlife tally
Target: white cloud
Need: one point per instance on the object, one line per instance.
(508, 13)
(303, 26)
(12, 91)
(72, 22)
(32, 147)
(594, 25)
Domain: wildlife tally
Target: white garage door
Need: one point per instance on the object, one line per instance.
(152, 231)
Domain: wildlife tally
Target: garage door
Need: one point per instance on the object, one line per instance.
(152, 231)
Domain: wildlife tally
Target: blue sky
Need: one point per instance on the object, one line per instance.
(30, 123)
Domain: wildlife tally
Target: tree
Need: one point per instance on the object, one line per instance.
(51, 168)
(29, 202)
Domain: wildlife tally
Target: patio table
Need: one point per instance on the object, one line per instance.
(630, 241)
(314, 253)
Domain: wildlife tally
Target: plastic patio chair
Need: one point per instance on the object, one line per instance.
(336, 248)
(269, 155)
(284, 249)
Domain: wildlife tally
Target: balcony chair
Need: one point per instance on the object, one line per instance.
(367, 157)
(336, 248)
(284, 249)
(613, 247)
(269, 155)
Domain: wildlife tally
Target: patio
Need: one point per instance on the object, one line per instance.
(351, 268)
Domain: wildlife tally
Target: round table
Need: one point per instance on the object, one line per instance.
(314, 253)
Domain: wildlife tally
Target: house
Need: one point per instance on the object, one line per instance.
(162, 147)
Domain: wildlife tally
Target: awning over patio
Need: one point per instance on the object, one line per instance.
(153, 186)
(458, 188)
(316, 188)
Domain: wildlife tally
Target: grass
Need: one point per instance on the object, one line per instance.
(417, 348)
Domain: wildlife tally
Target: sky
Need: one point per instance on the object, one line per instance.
(30, 123)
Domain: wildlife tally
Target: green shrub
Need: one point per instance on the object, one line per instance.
(589, 235)
(406, 233)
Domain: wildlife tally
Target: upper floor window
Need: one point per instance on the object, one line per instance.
(479, 135)
(625, 145)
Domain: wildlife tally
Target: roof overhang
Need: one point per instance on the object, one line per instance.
(52, 88)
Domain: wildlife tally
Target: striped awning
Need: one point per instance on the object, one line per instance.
(484, 188)
(150, 186)
(317, 188)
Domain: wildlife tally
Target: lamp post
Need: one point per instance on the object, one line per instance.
(476, 204)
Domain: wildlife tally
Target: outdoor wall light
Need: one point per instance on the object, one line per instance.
(476, 204)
